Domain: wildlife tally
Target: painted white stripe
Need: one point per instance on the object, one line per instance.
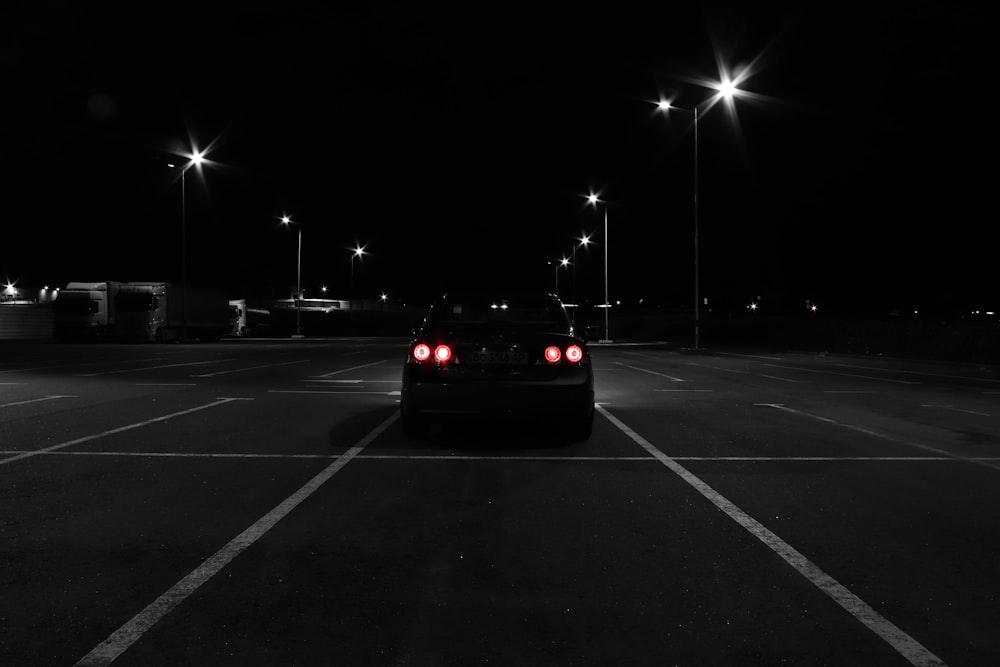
(846, 391)
(904, 644)
(473, 457)
(646, 370)
(341, 393)
(122, 638)
(353, 368)
(11, 383)
(923, 373)
(355, 381)
(249, 368)
(948, 407)
(35, 400)
(875, 434)
(850, 375)
(775, 377)
(120, 429)
(148, 368)
(166, 384)
(684, 390)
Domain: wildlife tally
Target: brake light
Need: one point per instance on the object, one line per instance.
(574, 353)
(552, 354)
(442, 353)
(422, 352)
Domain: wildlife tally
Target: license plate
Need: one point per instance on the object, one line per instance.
(499, 357)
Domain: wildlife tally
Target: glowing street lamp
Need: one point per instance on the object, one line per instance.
(286, 221)
(594, 201)
(584, 241)
(196, 159)
(357, 251)
(726, 90)
(560, 263)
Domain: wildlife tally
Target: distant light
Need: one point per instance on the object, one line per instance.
(198, 158)
(727, 89)
(564, 261)
(664, 105)
(323, 289)
(285, 220)
(592, 199)
(384, 297)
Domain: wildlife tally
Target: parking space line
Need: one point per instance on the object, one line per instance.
(149, 368)
(250, 368)
(646, 370)
(121, 639)
(353, 368)
(904, 644)
(120, 429)
(499, 457)
(320, 391)
(874, 434)
(35, 400)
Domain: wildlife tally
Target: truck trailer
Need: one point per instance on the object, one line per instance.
(85, 311)
(163, 311)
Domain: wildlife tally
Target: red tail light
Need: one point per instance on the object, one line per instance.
(574, 353)
(422, 352)
(552, 354)
(442, 353)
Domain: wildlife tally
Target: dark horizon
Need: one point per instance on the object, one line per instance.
(458, 147)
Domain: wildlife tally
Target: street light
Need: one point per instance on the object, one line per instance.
(725, 90)
(286, 221)
(584, 241)
(356, 251)
(196, 159)
(560, 264)
(593, 200)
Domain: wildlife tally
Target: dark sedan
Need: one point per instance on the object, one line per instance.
(498, 355)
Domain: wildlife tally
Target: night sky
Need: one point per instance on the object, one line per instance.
(455, 143)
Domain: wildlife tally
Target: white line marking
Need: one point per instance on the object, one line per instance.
(923, 373)
(775, 377)
(11, 383)
(353, 368)
(565, 459)
(846, 391)
(945, 407)
(166, 384)
(339, 393)
(122, 638)
(149, 368)
(875, 434)
(250, 368)
(684, 390)
(355, 381)
(906, 645)
(646, 370)
(850, 375)
(36, 400)
(120, 429)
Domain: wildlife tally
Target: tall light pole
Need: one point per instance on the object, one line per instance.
(285, 220)
(726, 90)
(584, 241)
(196, 159)
(592, 199)
(561, 263)
(356, 251)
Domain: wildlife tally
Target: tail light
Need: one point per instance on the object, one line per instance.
(422, 352)
(574, 353)
(553, 354)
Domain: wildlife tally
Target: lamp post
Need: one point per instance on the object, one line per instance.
(592, 199)
(196, 159)
(285, 220)
(356, 251)
(726, 90)
(559, 264)
(584, 241)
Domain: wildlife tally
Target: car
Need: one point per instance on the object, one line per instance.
(496, 355)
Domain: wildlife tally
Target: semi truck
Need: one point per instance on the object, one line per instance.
(162, 311)
(84, 311)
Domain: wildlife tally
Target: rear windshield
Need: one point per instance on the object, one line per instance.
(538, 311)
